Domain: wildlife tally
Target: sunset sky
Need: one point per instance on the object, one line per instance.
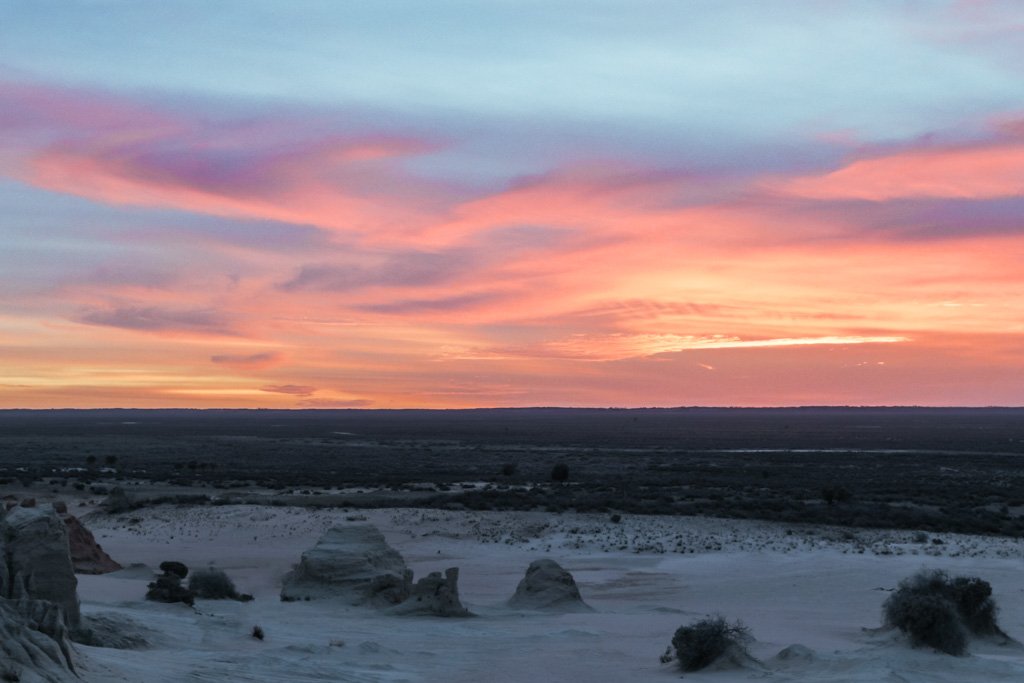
(395, 204)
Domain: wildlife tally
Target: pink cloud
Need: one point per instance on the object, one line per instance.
(331, 184)
(115, 151)
(977, 172)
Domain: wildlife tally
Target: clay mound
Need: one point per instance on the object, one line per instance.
(435, 595)
(87, 556)
(34, 643)
(547, 586)
(37, 562)
(351, 562)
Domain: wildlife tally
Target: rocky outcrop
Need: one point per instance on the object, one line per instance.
(87, 556)
(38, 599)
(435, 595)
(547, 586)
(114, 631)
(352, 562)
(37, 562)
(34, 643)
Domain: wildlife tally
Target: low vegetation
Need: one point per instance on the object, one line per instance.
(937, 611)
(704, 642)
(213, 584)
(932, 470)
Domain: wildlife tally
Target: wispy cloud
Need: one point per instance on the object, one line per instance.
(986, 171)
(444, 304)
(114, 151)
(252, 361)
(621, 346)
(156, 319)
(291, 389)
(403, 269)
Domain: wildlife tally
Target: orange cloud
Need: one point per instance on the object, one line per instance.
(291, 389)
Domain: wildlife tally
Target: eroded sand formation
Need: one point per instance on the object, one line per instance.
(38, 598)
(547, 586)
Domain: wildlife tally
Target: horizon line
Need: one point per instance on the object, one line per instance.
(538, 407)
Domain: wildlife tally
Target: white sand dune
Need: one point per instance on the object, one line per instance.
(644, 577)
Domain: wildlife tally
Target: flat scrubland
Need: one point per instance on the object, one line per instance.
(911, 468)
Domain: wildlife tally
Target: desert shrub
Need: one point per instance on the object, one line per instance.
(940, 612)
(212, 584)
(168, 588)
(257, 633)
(560, 472)
(930, 620)
(973, 599)
(704, 641)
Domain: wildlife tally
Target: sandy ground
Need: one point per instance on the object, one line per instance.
(644, 577)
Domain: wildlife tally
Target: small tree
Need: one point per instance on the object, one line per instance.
(560, 473)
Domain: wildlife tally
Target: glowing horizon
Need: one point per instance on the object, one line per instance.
(398, 205)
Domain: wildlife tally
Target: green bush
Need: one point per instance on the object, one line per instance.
(704, 641)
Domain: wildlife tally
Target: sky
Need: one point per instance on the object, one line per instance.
(449, 204)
